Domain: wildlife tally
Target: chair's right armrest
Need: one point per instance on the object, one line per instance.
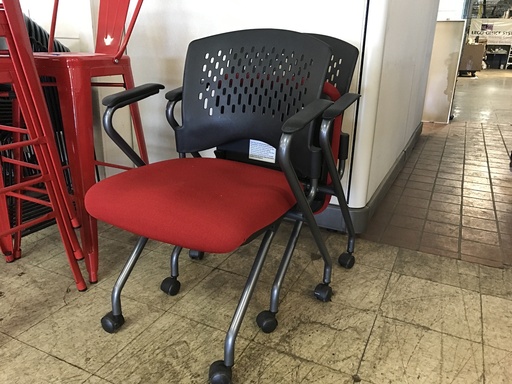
(129, 96)
(173, 97)
(122, 99)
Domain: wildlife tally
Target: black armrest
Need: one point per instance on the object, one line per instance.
(173, 97)
(175, 94)
(124, 98)
(306, 116)
(340, 105)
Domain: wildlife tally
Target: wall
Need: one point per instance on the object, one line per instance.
(164, 29)
(450, 9)
(406, 54)
(74, 32)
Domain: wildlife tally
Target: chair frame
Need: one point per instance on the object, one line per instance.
(327, 111)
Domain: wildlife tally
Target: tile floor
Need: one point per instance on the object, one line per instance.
(454, 196)
(405, 313)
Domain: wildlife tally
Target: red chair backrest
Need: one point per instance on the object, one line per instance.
(111, 38)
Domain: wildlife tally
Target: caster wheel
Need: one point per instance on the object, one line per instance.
(219, 373)
(346, 260)
(170, 286)
(323, 292)
(267, 321)
(111, 322)
(196, 255)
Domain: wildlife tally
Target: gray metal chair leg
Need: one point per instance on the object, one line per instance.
(113, 320)
(220, 371)
(171, 285)
(266, 320)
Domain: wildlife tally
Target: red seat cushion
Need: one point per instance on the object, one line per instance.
(205, 204)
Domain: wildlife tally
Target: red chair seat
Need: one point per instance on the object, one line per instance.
(223, 200)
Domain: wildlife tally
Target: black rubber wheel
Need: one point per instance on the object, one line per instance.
(267, 321)
(346, 260)
(111, 323)
(219, 373)
(323, 292)
(196, 255)
(170, 286)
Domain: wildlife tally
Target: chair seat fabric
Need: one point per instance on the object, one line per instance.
(223, 200)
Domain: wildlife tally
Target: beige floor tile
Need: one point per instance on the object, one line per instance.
(74, 333)
(240, 262)
(360, 287)
(24, 364)
(496, 281)
(30, 294)
(369, 253)
(96, 380)
(112, 256)
(210, 259)
(398, 352)
(264, 365)
(4, 339)
(213, 302)
(438, 307)
(497, 322)
(498, 365)
(329, 334)
(144, 282)
(171, 350)
(261, 364)
(306, 240)
(325, 375)
(40, 249)
(438, 269)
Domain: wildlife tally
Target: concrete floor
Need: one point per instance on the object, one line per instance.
(425, 302)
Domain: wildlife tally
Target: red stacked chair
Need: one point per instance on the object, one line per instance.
(41, 181)
(73, 74)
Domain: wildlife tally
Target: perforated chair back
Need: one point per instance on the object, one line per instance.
(233, 92)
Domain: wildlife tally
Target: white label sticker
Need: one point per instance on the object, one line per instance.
(261, 151)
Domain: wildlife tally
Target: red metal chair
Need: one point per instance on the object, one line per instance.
(45, 184)
(73, 74)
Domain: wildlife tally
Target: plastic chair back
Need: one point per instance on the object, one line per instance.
(243, 92)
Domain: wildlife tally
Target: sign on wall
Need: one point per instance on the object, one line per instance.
(496, 31)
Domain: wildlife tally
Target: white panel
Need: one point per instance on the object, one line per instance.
(372, 74)
(407, 44)
(444, 66)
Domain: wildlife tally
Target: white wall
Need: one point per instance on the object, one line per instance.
(407, 46)
(165, 28)
(450, 9)
(74, 32)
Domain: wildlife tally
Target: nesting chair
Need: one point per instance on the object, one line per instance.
(268, 101)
